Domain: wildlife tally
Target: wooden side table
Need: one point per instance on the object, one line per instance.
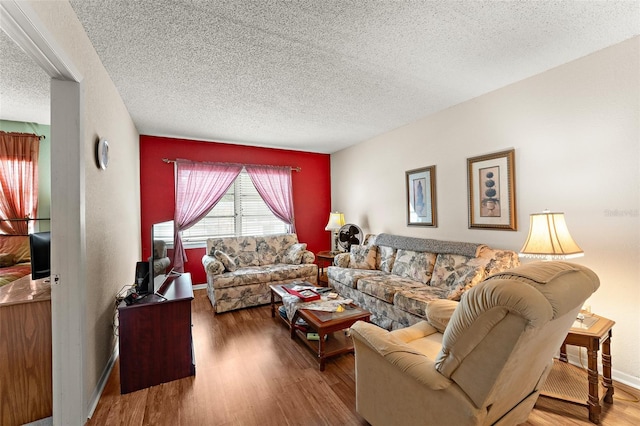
(324, 259)
(566, 381)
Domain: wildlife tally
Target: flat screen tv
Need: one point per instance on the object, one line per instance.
(40, 247)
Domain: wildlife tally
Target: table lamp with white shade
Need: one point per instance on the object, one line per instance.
(336, 221)
(549, 238)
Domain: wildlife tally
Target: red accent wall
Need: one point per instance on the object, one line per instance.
(311, 187)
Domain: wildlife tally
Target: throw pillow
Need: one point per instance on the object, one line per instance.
(293, 255)
(414, 265)
(386, 257)
(363, 257)
(7, 259)
(455, 273)
(230, 263)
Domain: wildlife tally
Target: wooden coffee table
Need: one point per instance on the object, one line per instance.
(328, 324)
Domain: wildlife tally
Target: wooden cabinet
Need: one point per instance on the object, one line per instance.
(156, 344)
(25, 351)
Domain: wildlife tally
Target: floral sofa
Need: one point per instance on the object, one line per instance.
(394, 277)
(240, 269)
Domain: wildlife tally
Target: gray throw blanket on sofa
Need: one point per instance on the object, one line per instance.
(429, 245)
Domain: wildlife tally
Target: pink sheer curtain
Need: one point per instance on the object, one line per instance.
(274, 186)
(18, 181)
(199, 187)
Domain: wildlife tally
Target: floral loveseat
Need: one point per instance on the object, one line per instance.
(240, 269)
(394, 277)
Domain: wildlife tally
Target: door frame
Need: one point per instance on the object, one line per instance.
(68, 240)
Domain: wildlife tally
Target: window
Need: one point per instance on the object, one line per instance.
(241, 211)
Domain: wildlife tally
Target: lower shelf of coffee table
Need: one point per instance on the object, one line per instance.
(337, 343)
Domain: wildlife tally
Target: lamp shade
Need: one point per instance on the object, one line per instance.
(549, 238)
(336, 220)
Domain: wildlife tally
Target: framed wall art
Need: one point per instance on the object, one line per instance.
(421, 196)
(492, 191)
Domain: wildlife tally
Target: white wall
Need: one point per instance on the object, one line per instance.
(111, 197)
(576, 132)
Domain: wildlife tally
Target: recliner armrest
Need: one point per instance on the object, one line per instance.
(394, 351)
(438, 313)
(414, 332)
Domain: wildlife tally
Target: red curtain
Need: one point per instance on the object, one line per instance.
(18, 181)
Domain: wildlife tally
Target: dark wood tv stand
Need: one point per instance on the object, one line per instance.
(156, 344)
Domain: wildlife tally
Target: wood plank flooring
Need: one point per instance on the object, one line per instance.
(249, 372)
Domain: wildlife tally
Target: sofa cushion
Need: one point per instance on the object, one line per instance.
(248, 258)
(293, 255)
(282, 272)
(415, 300)
(414, 265)
(384, 287)
(348, 276)
(363, 257)
(385, 258)
(267, 250)
(243, 276)
(455, 273)
(230, 262)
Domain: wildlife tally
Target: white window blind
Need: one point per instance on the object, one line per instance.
(241, 211)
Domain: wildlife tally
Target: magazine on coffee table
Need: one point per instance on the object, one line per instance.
(305, 294)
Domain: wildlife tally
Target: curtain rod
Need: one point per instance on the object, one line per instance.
(40, 137)
(297, 169)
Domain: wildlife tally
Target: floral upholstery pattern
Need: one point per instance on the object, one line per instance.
(384, 314)
(415, 265)
(381, 287)
(499, 260)
(454, 273)
(342, 260)
(415, 300)
(293, 255)
(363, 257)
(385, 258)
(350, 276)
(229, 262)
(240, 270)
(405, 281)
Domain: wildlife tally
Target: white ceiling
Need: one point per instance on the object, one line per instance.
(319, 75)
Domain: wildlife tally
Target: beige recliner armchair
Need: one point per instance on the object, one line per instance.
(481, 361)
(160, 259)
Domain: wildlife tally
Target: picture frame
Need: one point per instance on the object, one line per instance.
(492, 191)
(421, 196)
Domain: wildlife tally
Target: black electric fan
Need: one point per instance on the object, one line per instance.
(350, 235)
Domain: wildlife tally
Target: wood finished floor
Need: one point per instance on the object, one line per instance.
(249, 372)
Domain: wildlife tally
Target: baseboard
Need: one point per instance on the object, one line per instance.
(616, 375)
(200, 287)
(97, 393)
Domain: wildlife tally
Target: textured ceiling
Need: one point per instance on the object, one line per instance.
(322, 75)
(24, 86)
